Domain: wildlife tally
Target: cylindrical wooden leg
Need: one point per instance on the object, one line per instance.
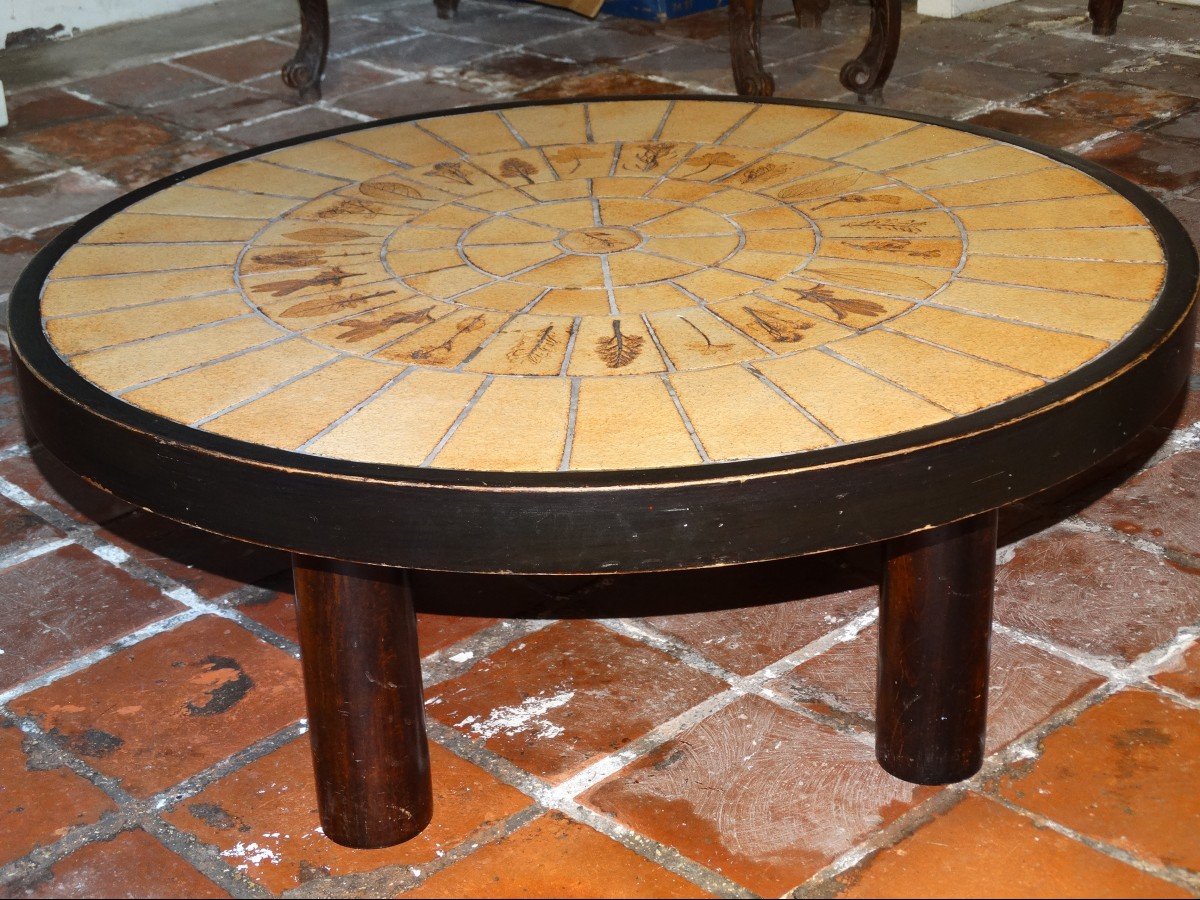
(935, 628)
(362, 678)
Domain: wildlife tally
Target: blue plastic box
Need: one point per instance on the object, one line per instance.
(658, 10)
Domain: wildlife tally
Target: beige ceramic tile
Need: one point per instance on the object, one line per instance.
(131, 227)
(625, 183)
(856, 309)
(651, 298)
(574, 302)
(521, 168)
(1095, 211)
(995, 161)
(517, 425)
(737, 416)
(903, 281)
(115, 259)
(1036, 351)
(313, 257)
(734, 200)
(505, 261)
(406, 144)
(371, 329)
(629, 423)
(940, 252)
(582, 160)
(626, 120)
(454, 215)
(1127, 281)
(686, 191)
(770, 219)
(546, 125)
(212, 389)
(922, 143)
(425, 239)
(503, 296)
(403, 424)
(298, 411)
(956, 382)
(568, 214)
(120, 368)
(926, 223)
(310, 282)
(879, 201)
(332, 157)
(695, 120)
(505, 230)
(712, 285)
(704, 251)
(344, 210)
(473, 133)
(77, 334)
(1043, 185)
(447, 283)
(686, 221)
(500, 199)
(773, 126)
(768, 265)
(446, 342)
(257, 177)
(1085, 314)
(290, 233)
(567, 271)
(79, 295)
(529, 345)
(829, 183)
(619, 346)
(695, 339)
(847, 132)
(626, 212)
(854, 405)
(341, 304)
(185, 200)
(558, 190)
(781, 328)
(398, 194)
(774, 169)
(652, 158)
(1117, 244)
(635, 267)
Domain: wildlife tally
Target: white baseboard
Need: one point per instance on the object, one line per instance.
(950, 9)
(79, 15)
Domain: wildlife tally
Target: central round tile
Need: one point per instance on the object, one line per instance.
(600, 239)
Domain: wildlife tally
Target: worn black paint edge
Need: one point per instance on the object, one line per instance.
(32, 345)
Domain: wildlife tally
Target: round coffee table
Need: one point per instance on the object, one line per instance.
(608, 336)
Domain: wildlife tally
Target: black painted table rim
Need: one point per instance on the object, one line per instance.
(615, 521)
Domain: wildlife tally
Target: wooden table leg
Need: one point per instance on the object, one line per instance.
(935, 627)
(362, 678)
(304, 70)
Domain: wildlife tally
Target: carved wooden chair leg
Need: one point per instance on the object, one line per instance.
(810, 12)
(304, 70)
(1104, 15)
(745, 28)
(446, 9)
(866, 74)
(935, 626)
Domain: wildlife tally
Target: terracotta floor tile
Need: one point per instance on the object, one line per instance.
(157, 712)
(1027, 685)
(133, 864)
(42, 475)
(208, 564)
(1094, 593)
(1149, 160)
(1158, 505)
(36, 204)
(97, 140)
(792, 610)
(47, 106)
(15, 253)
(758, 793)
(1115, 105)
(557, 700)
(970, 851)
(146, 85)
(263, 818)
(598, 84)
(21, 530)
(66, 603)
(226, 106)
(286, 125)
(1126, 772)
(134, 171)
(39, 803)
(1184, 674)
(17, 164)
(342, 77)
(409, 97)
(239, 62)
(553, 856)
(1057, 131)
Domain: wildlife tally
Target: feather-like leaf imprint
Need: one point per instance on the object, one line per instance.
(760, 171)
(712, 158)
(893, 246)
(325, 235)
(450, 171)
(465, 327)
(364, 329)
(575, 155)
(904, 226)
(884, 199)
(534, 346)
(841, 307)
(331, 276)
(649, 156)
(393, 192)
(820, 187)
(708, 346)
(321, 306)
(781, 329)
(300, 257)
(619, 350)
(349, 206)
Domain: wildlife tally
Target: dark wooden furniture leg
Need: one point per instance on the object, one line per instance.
(446, 9)
(810, 12)
(866, 74)
(304, 70)
(362, 679)
(745, 29)
(935, 627)
(1104, 15)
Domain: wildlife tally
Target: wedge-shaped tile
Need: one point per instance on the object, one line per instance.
(582, 160)
(529, 345)
(185, 200)
(473, 133)
(846, 132)
(772, 126)
(781, 328)
(258, 177)
(996, 161)
(1052, 185)
(516, 425)
(363, 332)
(853, 404)
(626, 120)
(76, 334)
(903, 281)
(310, 312)
(1114, 244)
(546, 125)
(941, 252)
(128, 227)
(695, 120)
(446, 342)
(402, 424)
(617, 346)
(1128, 281)
(696, 339)
(629, 423)
(332, 157)
(1101, 317)
(856, 309)
(1095, 211)
(77, 295)
(650, 298)
(924, 223)
(504, 261)
(407, 144)
(921, 143)
(118, 259)
(635, 267)
(566, 271)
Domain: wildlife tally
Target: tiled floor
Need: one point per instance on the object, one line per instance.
(590, 739)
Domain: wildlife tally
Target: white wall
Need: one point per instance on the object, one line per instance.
(16, 15)
(949, 9)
